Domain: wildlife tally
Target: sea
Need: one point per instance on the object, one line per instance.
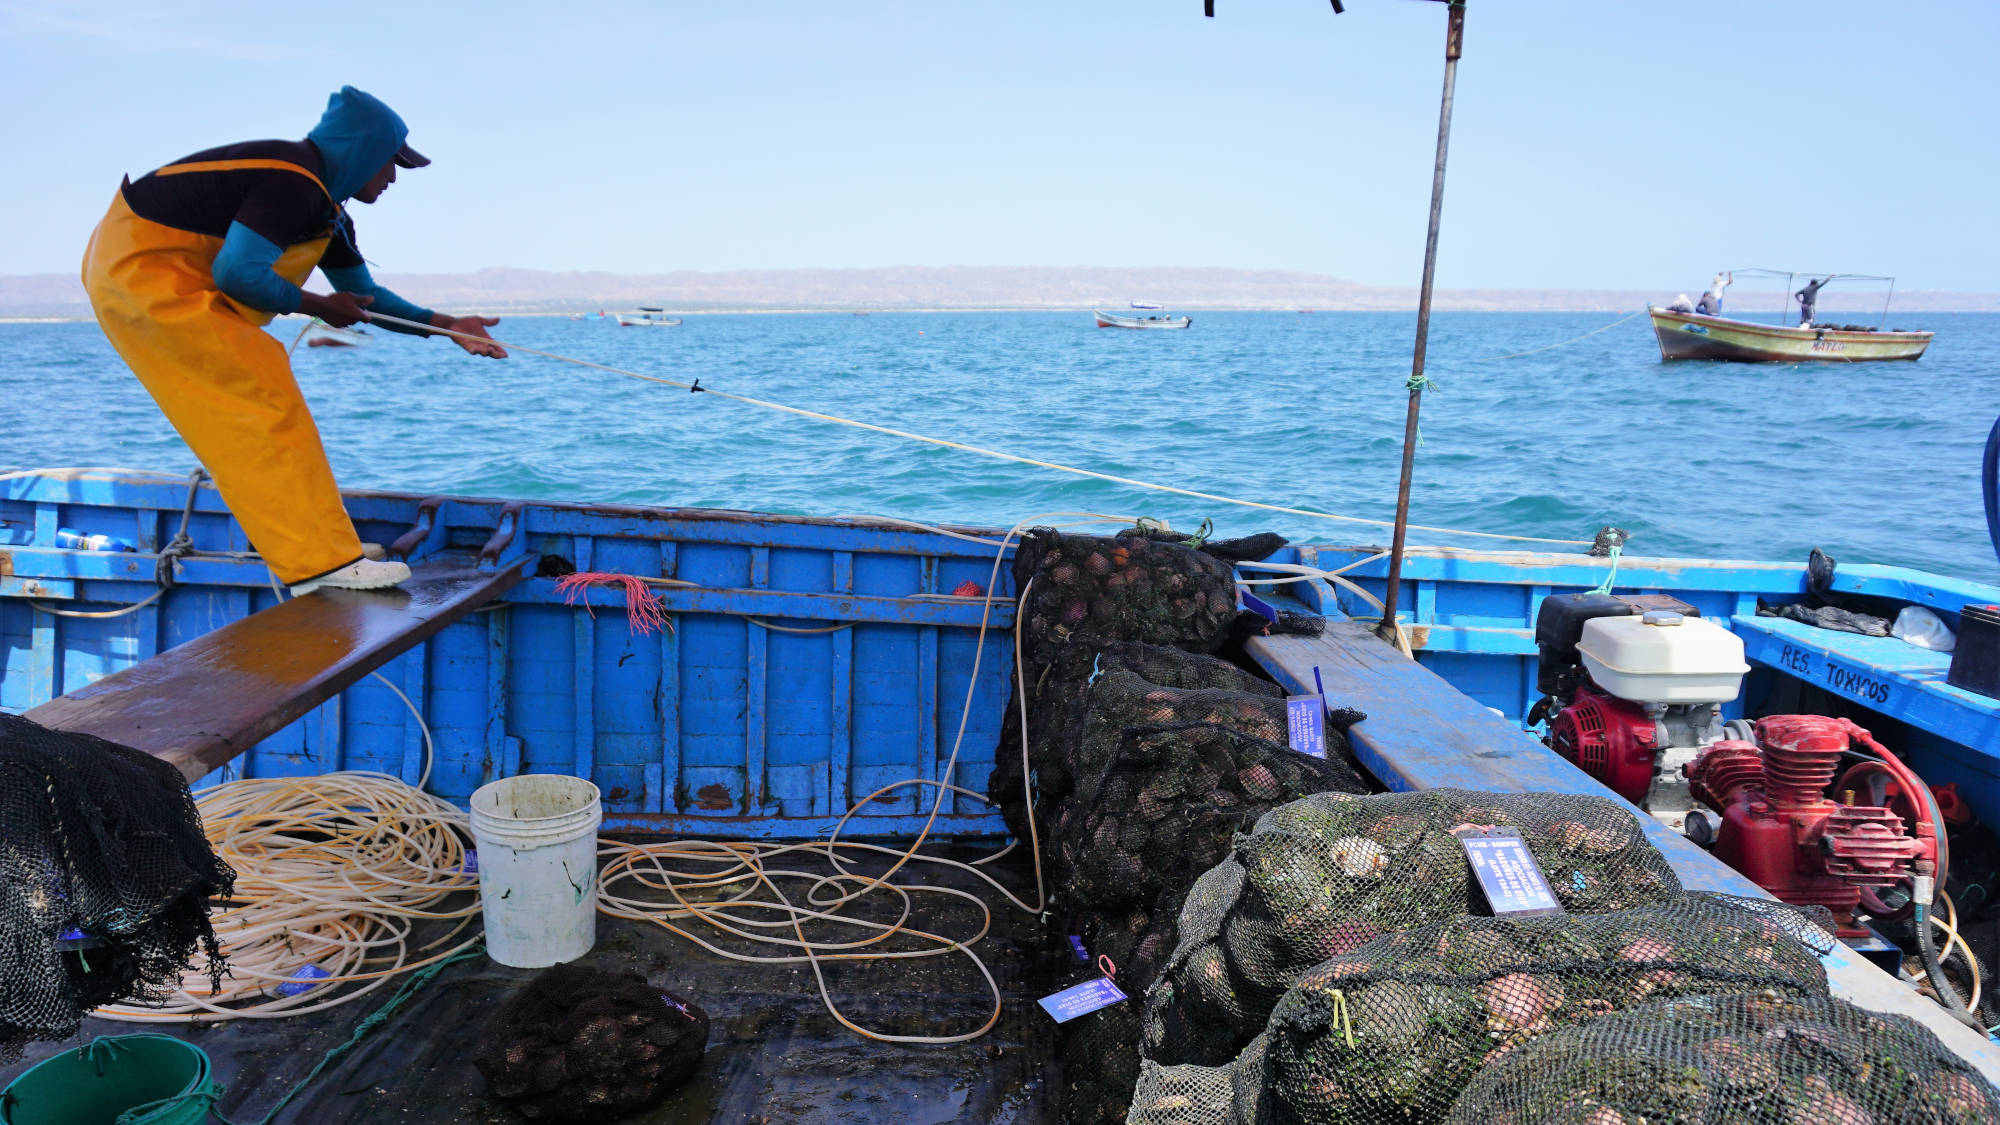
(1870, 462)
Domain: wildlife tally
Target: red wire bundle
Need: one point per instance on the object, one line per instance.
(643, 610)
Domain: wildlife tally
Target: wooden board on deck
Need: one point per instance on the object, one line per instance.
(202, 703)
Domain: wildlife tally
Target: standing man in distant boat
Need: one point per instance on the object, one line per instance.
(1808, 297)
(195, 258)
(1711, 301)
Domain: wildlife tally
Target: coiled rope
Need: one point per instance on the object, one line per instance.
(980, 450)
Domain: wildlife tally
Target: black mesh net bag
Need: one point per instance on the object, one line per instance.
(1127, 587)
(1743, 1059)
(1393, 1031)
(1329, 873)
(1186, 1094)
(1098, 1053)
(1072, 683)
(1168, 802)
(579, 1044)
(1130, 842)
(105, 877)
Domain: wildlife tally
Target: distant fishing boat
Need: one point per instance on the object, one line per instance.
(323, 335)
(1687, 334)
(1694, 336)
(648, 318)
(1113, 320)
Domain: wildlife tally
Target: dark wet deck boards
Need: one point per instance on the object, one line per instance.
(774, 1056)
(202, 703)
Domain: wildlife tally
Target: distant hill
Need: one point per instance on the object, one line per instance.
(503, 289)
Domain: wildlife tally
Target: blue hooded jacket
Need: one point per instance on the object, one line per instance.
(356, 136)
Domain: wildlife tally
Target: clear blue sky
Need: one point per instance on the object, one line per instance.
(1597, 144)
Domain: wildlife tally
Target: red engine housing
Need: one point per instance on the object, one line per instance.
(1609, 739)
(1782, 832)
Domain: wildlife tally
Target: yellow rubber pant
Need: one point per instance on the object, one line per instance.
(224, 383)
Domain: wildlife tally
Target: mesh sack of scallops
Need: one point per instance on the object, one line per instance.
(1329, 873)
(1126, 587)
(1167, 803)
(1098, 1053)
(1128, 845)
(1112, 678)
(1394, 1030)
(1741, 1059)
(1231, 1094)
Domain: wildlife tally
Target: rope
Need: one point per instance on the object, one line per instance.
(1565, 343)
(181, 546)
(754, 908)
(1610, 576)
(696, 387)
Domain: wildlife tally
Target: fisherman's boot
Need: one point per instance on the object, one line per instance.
(362, 574)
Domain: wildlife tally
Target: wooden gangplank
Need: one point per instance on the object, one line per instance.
(1422, 733)
(200, 704)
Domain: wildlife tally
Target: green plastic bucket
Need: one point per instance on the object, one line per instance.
(103, 1082)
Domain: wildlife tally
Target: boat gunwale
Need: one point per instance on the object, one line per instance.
(1786, 332)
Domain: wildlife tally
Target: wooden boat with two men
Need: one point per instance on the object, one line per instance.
(1685, 333)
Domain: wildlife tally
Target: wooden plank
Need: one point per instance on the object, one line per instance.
(205, 702)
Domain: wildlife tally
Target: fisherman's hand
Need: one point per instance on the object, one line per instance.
(473, 326)
(337, 309)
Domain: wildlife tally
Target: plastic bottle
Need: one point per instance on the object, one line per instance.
(78, 541)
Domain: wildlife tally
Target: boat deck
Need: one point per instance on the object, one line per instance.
(775, 1057)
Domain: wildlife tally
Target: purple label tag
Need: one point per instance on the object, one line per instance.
(471, 864)
(1513, 882)
(1260, 607)
(1082, 1000)
(304, 980)
(1076, 943)
(1305, 724)
(77, 935)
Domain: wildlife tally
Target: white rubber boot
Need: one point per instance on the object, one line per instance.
(365, 574)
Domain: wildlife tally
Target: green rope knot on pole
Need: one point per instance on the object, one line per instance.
(1610, 544)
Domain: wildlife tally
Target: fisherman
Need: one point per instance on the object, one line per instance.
(1711, 301)
(195, 258)
(1807, 298)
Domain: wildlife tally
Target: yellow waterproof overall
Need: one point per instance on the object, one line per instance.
(224, 383)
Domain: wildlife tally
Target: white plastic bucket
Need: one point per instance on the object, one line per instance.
(537, 840)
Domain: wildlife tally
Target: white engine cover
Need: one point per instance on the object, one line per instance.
(1663, 657)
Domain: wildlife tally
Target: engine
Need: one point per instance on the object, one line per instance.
(1633, 688)
(1781, 830)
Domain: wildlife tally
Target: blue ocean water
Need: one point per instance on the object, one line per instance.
(1873, 462)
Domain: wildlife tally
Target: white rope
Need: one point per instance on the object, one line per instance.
(984, 452)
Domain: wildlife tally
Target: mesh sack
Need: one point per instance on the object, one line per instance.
(1098, 1053)
(105, 877)
(1063, 691)
(1393, 1031)
(1232, 1094)
(1329, 873)
(578, 1044)
(1168, 803)
(1126, 588)
(1733, 1060)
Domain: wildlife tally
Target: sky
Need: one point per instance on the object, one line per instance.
(1595, 144)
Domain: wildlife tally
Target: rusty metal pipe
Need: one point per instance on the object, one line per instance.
(1454, 40)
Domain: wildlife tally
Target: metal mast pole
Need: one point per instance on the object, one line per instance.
(1454, 39)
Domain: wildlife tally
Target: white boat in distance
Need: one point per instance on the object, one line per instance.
(1113, 320)
(648, 318)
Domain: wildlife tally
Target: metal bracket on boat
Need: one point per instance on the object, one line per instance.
(425, 537)
(508, 544)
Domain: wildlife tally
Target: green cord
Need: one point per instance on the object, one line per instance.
(1610, 576)
(362, 1030)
